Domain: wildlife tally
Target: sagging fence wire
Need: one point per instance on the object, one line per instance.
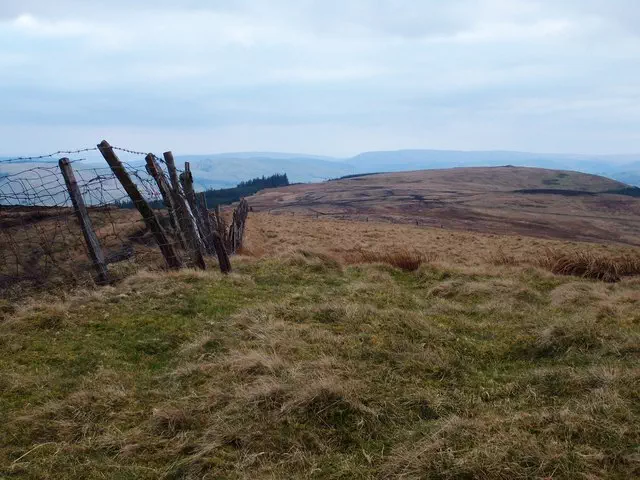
(76, 220)
(61, 153)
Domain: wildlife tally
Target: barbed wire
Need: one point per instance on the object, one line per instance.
(40, 237)
(47, 155)
(134, 152)
(71, 152)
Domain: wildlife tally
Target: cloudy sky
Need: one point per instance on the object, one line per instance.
(331, 77)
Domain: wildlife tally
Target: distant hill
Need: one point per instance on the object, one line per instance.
(625, 168)
(266, 155)
(223, 170)
(518, 200)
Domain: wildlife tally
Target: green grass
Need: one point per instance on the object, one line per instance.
(299, 367)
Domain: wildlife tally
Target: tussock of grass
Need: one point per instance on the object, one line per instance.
(316, 261)
(587, 264)
(500, 257)
(169, 422)
(567, 335)
(404, 259)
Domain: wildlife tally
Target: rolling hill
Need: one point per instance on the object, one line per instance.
(530, 201)
(624, 168)
(223, 170)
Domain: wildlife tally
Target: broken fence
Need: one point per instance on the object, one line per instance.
(66, 220)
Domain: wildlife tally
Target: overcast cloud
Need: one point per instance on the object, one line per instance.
(331, 77)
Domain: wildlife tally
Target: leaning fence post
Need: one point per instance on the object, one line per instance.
(149, 216)
(156, 172)
(93, 245)
(173, 172)
(220, 225)
(165, 190)
(186, 179)
(236, 231)
(201, 200)
(186, 218)
(221, 252)
(216, 239)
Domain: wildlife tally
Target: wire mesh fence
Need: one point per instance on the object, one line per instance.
(135, 210)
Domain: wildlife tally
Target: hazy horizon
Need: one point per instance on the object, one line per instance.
(312, 155)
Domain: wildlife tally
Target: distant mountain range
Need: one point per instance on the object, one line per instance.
(227, 169)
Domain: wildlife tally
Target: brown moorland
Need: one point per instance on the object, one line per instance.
(503, 200)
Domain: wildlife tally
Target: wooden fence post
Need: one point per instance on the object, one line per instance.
(236, 231)
(205, 219)
(186, 218)
(149, 216)
(221, 252)
(186, 179)
(216, 239)
(165, 190)
(173, 172)
(220, 224)
(93, 245)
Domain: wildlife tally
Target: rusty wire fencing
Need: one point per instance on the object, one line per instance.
(68, 220)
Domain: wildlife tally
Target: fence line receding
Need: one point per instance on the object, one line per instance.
(68, 219)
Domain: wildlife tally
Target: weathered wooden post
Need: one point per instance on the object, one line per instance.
(205, 220)
(186, 218)
(149, 216)
(236, 231)
(173, 172)
(186, 179)
(185, 208)
(201, 199)
(93, 245)
(165, 190)
(220, 225)
(221, 253)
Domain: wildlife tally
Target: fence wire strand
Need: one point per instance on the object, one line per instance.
(41, 241)
(62, 153)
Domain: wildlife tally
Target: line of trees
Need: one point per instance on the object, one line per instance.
(275, 180)
(225, 196)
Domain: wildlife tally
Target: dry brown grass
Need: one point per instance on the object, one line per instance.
(352, 241)
(344, 241)
(478, 199)
(48, 251)
(310, 363)
(404, 259)
(299, 366)
(500, 257)
(588, 264)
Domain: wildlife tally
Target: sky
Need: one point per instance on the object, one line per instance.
(330, 77)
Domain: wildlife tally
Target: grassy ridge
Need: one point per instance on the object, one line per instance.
(491, 200)
(302, 367)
